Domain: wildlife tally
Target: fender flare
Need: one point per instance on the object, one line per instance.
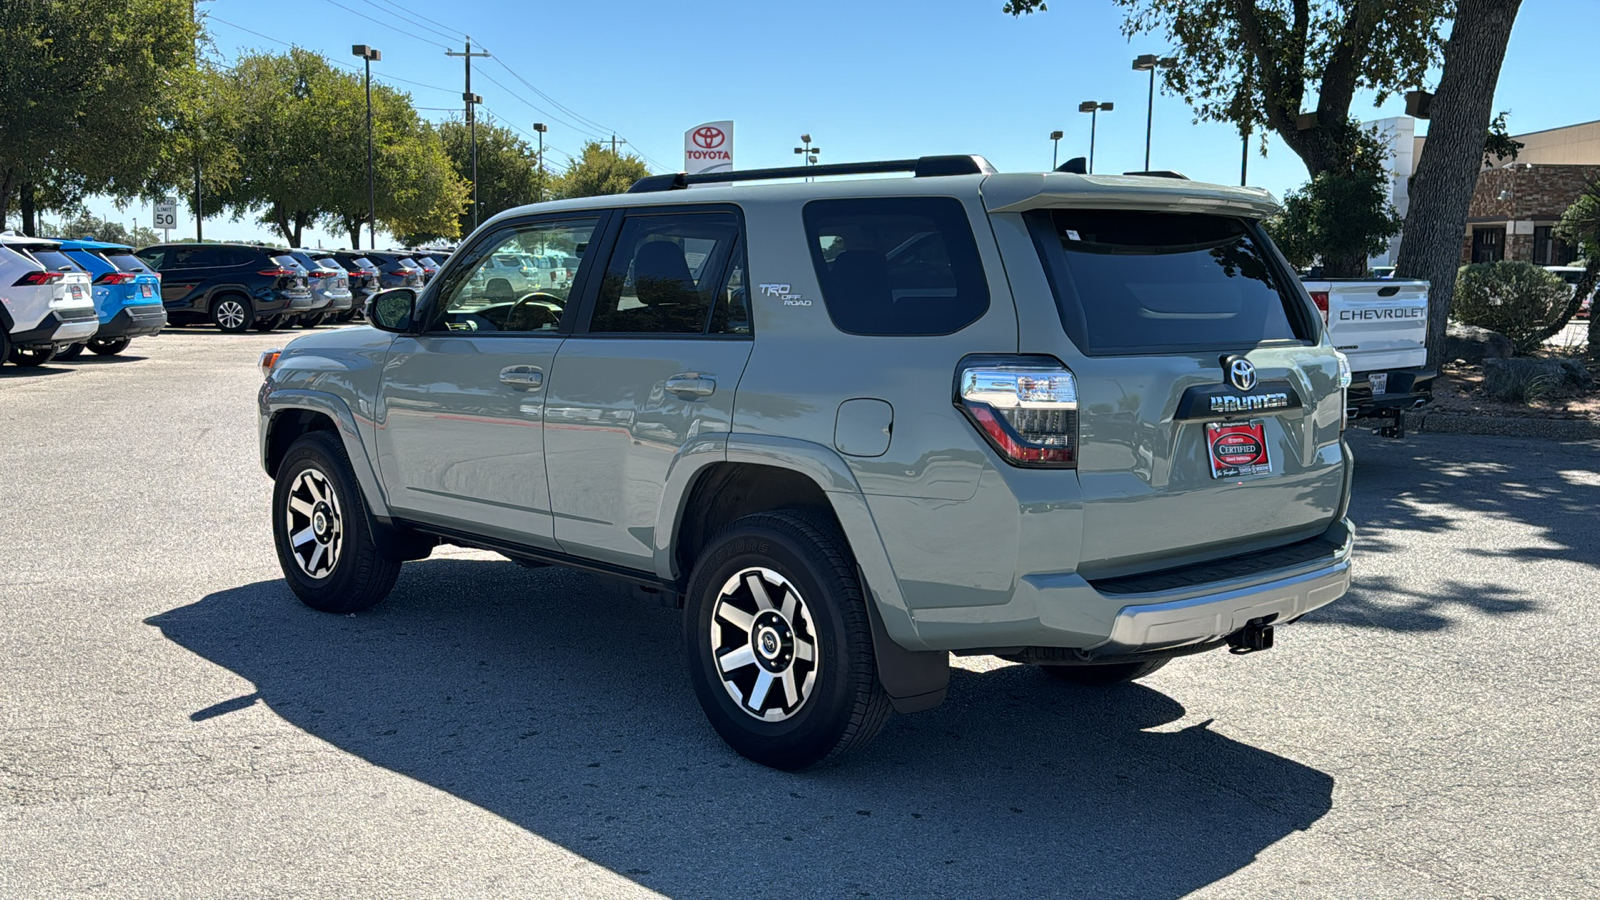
(915, 676)
(273, 402)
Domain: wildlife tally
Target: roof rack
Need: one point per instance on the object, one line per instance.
(1160, 173)
(924, 167)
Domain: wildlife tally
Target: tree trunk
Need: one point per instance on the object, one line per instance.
(29, 226)
(355, 234)
(1441, 191)
(6, 184)
(1582, 289)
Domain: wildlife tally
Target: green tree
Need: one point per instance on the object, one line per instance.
(90, 94)
(508, 168)
(1580, 224)
(598, 170)
(1342, 216)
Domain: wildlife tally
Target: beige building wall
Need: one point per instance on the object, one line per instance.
(1574, 145)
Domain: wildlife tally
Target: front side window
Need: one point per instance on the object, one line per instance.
(665, 273)
(897, 265)
(1131, 282)
(486, 294)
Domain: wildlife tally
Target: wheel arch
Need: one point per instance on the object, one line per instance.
(289, 414)
(725, 477)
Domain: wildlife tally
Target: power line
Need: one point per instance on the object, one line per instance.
(389, 12)
(453, 32)
(539, 109)
(394, 28)
(331, 59)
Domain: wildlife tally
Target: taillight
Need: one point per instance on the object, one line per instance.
(116, 278)
(1026, 407)
(34, 279)
(279, 273)
(406, 272)
(1344, 388)
(1320, 298)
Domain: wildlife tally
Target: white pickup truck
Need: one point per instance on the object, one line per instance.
(1381, 324)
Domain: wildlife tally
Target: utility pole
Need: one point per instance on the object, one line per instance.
(614, 143)
(199, 217)
(472, 100)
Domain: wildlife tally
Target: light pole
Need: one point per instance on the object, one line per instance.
(1055, 150)
(1093, 109)
(808, 153)
(540, 128)
(1149, 62)
(369, 55)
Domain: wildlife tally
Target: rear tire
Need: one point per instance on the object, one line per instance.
(1104, 676)
(109, 346)
(327, 546)
(29, 357)
(232, 314)
(768, 592)
(269, 323)
(312, 320)
(72, 351)
(5, 347)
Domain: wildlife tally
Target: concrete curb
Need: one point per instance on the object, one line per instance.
(1509, 426)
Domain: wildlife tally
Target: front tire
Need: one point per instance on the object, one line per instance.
(780, 643)
(232, 314)
(325, 540)
(1104, 676)
(108, 346)
(30, 357)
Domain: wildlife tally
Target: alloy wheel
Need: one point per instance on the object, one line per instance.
(230, 314)
(315, 523)
(765, 644)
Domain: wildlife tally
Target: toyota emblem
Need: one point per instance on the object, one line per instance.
(709, 138)
(1241, 372)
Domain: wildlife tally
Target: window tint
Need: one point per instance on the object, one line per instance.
(1145, 282)
(90, 261)
(897, 266)
(484, 295)
(152, 257)
(127, 263)
(664, 273)
(194, 257)
(732, 312)
(56, 261)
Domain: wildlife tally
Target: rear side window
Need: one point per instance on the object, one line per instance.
(897, 266)
(1130, 282)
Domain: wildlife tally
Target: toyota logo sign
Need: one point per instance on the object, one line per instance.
(1241, 372)
(709, 138)
(708, 147)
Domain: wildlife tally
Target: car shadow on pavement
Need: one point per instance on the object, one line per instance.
(548, 699)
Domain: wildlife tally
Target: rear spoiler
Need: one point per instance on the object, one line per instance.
(1060, 190)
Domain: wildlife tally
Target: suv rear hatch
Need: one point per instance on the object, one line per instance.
(1150, 308)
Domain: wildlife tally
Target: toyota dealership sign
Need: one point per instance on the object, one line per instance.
(708, 148)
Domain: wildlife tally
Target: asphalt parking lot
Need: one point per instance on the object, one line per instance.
(174, 724)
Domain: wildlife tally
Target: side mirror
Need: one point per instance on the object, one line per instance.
(392, 310)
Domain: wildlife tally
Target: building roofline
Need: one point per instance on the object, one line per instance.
(1557, 128)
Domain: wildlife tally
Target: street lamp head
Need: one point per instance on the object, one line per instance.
(1106, 107)
(1168, 62)
(471, 97)
(540, 127)
(799, 149)
(1057, 135)
(806, 138)
(1145, 62)
(365, 52)
(1087, 106)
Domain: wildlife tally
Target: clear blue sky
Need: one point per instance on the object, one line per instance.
(866, 79)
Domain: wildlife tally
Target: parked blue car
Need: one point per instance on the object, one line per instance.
(127, 295)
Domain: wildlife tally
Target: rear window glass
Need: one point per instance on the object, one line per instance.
(328, 262)
(56, 261)
(896, 266)
(288, 262)
(127, 263)
(1148, 282)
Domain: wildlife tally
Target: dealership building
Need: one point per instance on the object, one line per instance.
(1516, 203)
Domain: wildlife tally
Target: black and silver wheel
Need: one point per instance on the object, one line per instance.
(780, 643)
(32, 356)
(326, 543)
(1105, 675)
(232, 314)
(108, 346)
(71, 351)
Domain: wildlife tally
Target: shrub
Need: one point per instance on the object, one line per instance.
(1517, 299)
(1518, 385)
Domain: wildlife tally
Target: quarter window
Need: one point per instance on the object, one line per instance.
(501, 287)
(665, 273)
(897, 266)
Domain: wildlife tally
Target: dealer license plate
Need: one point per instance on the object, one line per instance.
(146, 291)
(1380, 383)
(77, 291)
(1238, 448)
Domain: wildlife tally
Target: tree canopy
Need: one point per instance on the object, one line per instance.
(508, 167)
(598, 170)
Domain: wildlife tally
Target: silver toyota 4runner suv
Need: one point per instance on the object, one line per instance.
(851, 427)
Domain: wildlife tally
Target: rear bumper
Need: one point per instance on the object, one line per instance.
(135, 321)
(1405, 389)
(58, 328)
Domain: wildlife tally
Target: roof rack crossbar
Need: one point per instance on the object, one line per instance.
(924, 167)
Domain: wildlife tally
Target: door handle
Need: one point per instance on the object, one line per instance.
(689, 383)
(525, 378)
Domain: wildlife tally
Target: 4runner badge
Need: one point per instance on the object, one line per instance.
(781, 292)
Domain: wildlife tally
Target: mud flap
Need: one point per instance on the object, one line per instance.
(915, 680)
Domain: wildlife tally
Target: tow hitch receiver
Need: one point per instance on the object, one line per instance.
(1255, 635)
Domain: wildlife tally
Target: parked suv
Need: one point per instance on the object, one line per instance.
(127, 296)
(396, 269)
(232, 286)
(851, 427)
(329, 281)
(46, 302)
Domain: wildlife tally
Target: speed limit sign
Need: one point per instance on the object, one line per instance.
(167, 213)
